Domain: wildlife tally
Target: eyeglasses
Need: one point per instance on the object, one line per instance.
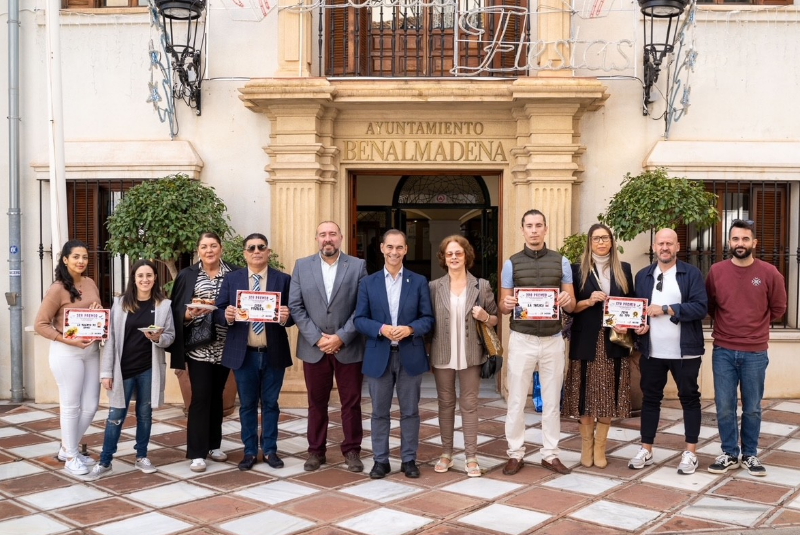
(252, 248)
(451, 254)
(601, 239)
(660, 280)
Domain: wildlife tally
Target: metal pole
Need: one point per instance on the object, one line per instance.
(14, 296)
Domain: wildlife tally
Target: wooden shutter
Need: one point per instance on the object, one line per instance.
(346, 39)
(769, 211)
(82, 199)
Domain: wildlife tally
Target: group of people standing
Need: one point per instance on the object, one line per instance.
(393, 326)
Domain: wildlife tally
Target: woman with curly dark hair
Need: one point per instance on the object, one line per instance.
(75, 363)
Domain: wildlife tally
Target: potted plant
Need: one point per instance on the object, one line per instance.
(161, 220)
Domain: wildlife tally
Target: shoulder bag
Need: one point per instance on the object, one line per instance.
(492, 347)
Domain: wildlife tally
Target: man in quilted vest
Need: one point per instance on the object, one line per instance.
(535, 342)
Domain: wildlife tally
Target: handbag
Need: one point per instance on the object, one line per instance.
(625, 339)
(492, 347)
(200, 333)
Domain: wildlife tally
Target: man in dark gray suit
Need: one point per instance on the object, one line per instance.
(322, 298)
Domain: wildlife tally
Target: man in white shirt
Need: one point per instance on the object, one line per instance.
(322, 298)
(671, 343)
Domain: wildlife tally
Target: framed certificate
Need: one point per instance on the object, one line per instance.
(628, 312)
(536, 304)
(86, 323)
(257, 306)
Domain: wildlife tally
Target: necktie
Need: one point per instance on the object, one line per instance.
(258, 327)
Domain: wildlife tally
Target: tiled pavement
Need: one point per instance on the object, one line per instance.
(37, 497)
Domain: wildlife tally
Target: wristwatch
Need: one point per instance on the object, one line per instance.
(665, 309)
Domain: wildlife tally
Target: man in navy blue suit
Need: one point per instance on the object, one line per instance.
(394, 312)
(258, 353)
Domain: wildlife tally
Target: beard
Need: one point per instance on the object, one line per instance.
(742, 252)
(332, 252)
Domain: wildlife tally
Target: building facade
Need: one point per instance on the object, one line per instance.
(435, 117)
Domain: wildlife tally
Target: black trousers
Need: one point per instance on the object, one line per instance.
(204, 426)
(654, 379)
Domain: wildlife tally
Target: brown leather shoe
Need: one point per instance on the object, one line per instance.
(513, 466)
(353, 461)
(556, 466)
(313, 462)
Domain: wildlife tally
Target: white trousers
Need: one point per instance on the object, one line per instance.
(524, 353)
(77, 373)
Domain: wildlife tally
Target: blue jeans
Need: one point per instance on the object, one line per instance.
(144, 418)
(734, 369)
(257, 381)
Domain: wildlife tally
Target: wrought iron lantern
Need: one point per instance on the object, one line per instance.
(656, 47)
(177, 15)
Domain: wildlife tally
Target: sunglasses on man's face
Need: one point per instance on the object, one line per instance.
(660, 280)
(252, 248)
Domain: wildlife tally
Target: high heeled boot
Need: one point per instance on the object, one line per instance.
(587, 443)
(600, 439)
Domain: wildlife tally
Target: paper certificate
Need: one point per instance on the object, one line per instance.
(628, 312)
(257, 306)
(85, 324)
(536, 304)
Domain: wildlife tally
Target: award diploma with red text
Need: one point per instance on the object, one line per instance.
(85, 323)
(257, 306)
(626, 312)
(536, 304)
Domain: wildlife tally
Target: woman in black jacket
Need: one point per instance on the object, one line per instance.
(206, 373)
(598, 376)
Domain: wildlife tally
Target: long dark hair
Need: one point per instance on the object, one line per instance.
(129, 301)
(62, 273)
(587, 264)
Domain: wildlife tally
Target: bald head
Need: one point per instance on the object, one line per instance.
(666, 247)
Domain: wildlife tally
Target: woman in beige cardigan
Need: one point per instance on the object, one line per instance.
(459, 300)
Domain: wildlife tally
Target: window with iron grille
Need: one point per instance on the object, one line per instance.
(768, 204)
(398, 39)
(89, 203)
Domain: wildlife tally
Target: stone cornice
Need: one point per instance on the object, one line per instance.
(583, 94)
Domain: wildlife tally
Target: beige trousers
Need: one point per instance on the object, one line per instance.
(469, 382)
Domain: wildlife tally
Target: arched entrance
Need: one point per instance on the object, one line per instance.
(428, 207)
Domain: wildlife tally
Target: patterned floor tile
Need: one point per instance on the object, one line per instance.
(272, 522)
(583, 483)
(32, 525)
(776, 475)
(150, 523)
(276, 492)
(669, 477)
(382, 490)
(548, 501)
(328, 507)
(384, 521)
(214, 509)
(728, 511)
(63, 497)
(291, 467)
(487, 489)
(36, 450)
(172, 494)
(705, 430)
(15, 470)
(101, 511)
(27, 416)
(505, 519)
(752, 491)
(616, 515)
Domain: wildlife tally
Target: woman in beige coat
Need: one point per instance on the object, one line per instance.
(459, 300)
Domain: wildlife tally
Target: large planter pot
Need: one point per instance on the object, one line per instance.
(228, 395)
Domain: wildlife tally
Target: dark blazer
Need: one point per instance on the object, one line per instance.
(236, 342)
(586, 325)
(314, 314)
(181, 295)
(415, 311)
(689, 313)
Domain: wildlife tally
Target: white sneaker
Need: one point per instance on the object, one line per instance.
(643, 458)
(85, 459)
(218, 455)
(97, 472)
(198, 465)
(688, 463)
(145, 465)
(76, 467)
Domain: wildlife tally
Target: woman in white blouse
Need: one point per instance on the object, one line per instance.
(459, 300)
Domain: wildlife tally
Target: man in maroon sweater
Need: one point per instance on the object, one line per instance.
(744, 296)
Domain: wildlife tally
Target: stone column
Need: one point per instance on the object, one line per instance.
(303, 175)
(294, 39)
(554, 28)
